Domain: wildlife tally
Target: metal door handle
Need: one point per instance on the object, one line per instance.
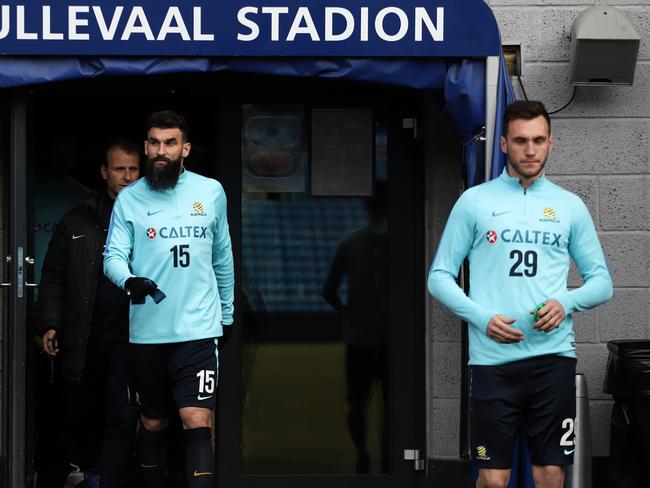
(31, 285)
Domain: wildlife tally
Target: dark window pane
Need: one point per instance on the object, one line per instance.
(342, 152)
(313, 369)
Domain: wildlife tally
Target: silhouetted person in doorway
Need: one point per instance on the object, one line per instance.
(362, 257)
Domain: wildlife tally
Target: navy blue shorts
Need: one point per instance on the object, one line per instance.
(185, 371)
(536, 397)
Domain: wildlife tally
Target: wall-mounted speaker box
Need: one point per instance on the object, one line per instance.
(604, 48)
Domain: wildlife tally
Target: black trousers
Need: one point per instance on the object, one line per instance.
(91, 423)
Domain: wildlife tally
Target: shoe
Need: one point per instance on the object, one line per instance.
(75, 477)
(91, 479)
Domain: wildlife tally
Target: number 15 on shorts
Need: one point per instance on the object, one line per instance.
(206, 381)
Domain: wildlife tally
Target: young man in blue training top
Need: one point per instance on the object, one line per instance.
(169, 232)
(519, 232)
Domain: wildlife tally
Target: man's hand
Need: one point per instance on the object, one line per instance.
(499, 330)
(550, 316)
(138, 288)
(50, 344)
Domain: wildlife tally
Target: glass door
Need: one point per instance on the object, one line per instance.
(322, 389)
(314, 293)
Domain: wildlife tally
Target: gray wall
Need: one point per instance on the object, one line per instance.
(602, 153)
(444, 179)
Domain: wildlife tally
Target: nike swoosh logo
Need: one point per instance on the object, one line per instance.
(494, 214)
(149, 465)
(78, 237)
(150, 213)
(204, 397)
(201, 473)
(568, 451)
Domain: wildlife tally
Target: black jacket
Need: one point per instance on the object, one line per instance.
(68, 286)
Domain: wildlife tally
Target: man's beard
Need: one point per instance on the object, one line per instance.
(161, 178)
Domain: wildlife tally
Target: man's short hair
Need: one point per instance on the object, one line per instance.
(168, 119)
(125, 145)
(527, 110)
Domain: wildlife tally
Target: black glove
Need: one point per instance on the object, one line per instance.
(138, 288)
(227, 332)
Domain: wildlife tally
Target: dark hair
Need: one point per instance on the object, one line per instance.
(527, 110)
(168, 119)
(125, 145)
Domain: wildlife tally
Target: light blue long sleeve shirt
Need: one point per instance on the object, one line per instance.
(519, 244)
(178, 238)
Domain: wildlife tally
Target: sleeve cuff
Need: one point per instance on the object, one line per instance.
(123, 284)
(484, 321)
(566, 303)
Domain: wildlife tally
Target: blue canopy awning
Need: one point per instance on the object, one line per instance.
(462, 34)
(419, 73)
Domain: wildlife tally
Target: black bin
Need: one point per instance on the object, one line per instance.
(628, 379)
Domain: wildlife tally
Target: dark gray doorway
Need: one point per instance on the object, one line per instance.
(278, 146)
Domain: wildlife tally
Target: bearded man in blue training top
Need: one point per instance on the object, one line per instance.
(519, 233)
(169, 233)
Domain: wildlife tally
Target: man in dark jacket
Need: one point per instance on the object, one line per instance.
(83, 320)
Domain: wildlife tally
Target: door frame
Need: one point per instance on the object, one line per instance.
(18, 471)
(402, 147)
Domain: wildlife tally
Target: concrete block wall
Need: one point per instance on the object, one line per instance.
(602, 153)
(444, 178)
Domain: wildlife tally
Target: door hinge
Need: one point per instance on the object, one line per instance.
(411, 123)
(414, 455)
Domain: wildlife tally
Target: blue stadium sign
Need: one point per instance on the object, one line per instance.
(438, 28)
